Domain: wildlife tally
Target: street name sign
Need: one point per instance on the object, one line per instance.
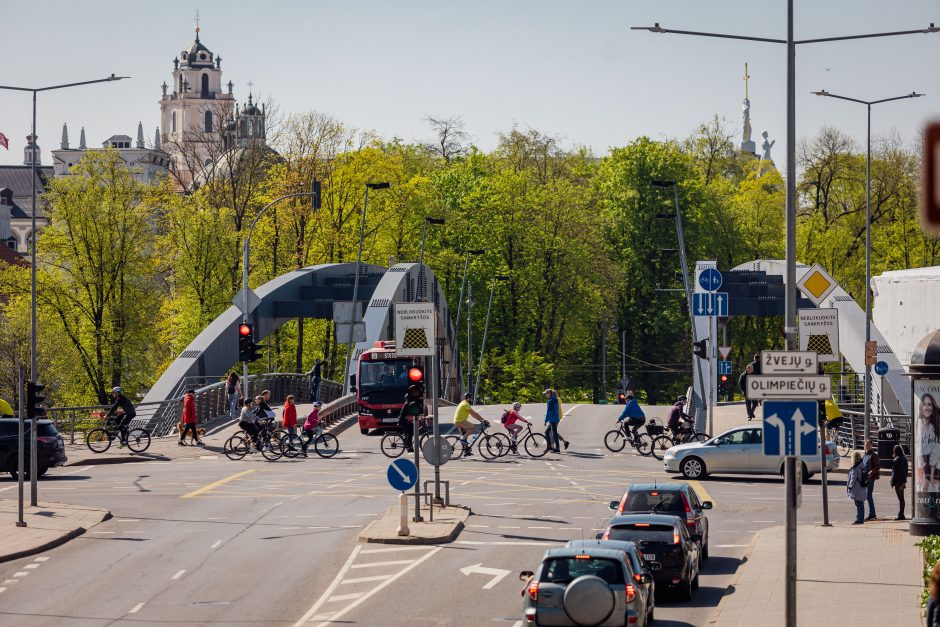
(789, 387)
(402, 474)
(816, 284)
(415, 329)
(790, 428)
(819, 332)
(787, 362)
(710, 304)
(710, 279)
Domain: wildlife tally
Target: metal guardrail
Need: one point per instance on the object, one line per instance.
(853, 428)
(334, 412)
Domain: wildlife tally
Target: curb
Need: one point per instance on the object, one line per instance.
(716, 613)
(415, 540)
(42, 548)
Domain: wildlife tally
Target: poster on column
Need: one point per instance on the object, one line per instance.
(927, 441)
(819, 332)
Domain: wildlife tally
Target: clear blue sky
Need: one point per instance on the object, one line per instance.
(569, 68)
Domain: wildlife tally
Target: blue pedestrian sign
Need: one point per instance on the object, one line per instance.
(724, 367)
(881, 368)
(710, 304)
(710, 279)
(402, 474)
(790, 428)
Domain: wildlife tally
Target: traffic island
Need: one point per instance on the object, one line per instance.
(47, 526)
(447, 525)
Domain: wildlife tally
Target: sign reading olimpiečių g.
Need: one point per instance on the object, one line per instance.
(414, 329)
(819, 332)
(783, 387)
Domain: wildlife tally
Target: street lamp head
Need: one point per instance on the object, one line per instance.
(662, 183)
(914, 94)
(375, 186)
(932, 29)
(655, 28)
(821, 92)
(431, 220)
(116, 78)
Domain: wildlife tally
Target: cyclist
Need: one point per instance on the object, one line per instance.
(462, 421)
(311, 427)
(675, 416)
(634, 415)
(513, 417)
(248, 421)
(123, 411)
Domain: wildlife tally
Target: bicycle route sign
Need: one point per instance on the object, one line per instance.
(710, 279)
(430, 451)
(402, 474)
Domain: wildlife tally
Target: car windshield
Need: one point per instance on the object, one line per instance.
(565, 569)
(653, 501)
(643, 533)
(384, 374)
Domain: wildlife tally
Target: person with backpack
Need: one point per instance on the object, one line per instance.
(233, 390)
(855, 487)
(872, 473)
(510, 420)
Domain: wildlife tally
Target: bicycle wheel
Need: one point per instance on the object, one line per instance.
(643, 444)
(326, 445)
(699, 436)
(842, 446)
(98, 440)
(392, 445)
(499, 443)
(660, 445)
(536, 444)
(615, 441)
(236, 447)
(138, 440)
(271, 446)
(290, 447)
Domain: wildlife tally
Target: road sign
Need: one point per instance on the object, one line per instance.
(871, 353)
(429, 450)
(783, 387)
(415, 329)
(819, 332)
(710, 304)
(496, 574)
(930, 200)
(881, 368)
(790, 428)
(710, 279)
(724, 351)
(816, 284)
(787, 362)
(402, 474)
(724, 367)
(246, 300)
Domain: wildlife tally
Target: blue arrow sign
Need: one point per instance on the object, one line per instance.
(881, 368)
(402, 474)
(710, 279)
(710, 304)
(790, 428)
(724, 367)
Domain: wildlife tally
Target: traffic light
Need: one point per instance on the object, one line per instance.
(701, 350)
(34, 400)
(621, 398)
(247, 349)
(416, 375)
(317, 199)
(723, 386)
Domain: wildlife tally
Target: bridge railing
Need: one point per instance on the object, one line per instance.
(853, 428)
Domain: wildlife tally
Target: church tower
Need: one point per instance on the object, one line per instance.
(194, 110)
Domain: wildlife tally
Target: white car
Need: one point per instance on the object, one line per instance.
(738, 451)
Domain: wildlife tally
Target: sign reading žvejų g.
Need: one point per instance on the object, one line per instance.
(415, 329)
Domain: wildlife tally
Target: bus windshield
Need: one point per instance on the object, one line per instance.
(384, 375)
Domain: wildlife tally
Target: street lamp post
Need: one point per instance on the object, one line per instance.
(486, 328)
(246, 248)
(34, 498)
(868, 104)
(424, 236)
(355, 294)
(463, 284)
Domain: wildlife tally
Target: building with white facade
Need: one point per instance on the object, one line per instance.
(16, 203)
(146, 164)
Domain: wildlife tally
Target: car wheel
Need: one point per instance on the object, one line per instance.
(685, 591)
(807, 475)
(705, 551)
(692, 468)
(364, 431)
(695, 582)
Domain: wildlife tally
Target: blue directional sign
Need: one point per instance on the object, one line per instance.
(402, 474)
(710, 304)
(881, 368)
(724, 367)
(790, 428)
(710, 279)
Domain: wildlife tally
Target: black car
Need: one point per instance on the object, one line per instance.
(673, 555)
(678, 499)
(50, 446)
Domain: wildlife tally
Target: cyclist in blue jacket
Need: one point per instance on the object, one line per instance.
(633, 414)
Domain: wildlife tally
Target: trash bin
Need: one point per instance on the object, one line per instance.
(888, 438)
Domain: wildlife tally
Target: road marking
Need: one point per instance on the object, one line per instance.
(9, 581)
(377, 564)
(2, 589)
(346, 597)
(136, 608)
(329, 591)
(496, 574)
(476, 543)
(31, 566)
(355, 580)
(703, 494)
(731, 546)
(508, 527)
(763, 521)
(396, 549)
(217, 484)
(538, 527)
(178, 574)
(41, 559)
(216, 544)
(21, 573)
(127, 520)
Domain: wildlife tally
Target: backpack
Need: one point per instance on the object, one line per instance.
(863, 474)
(505, 416)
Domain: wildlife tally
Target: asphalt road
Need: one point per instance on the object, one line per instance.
(208, 540)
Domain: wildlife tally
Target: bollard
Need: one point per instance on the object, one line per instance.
(403, 523)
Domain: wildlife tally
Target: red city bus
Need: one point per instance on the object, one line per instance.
(381, 383)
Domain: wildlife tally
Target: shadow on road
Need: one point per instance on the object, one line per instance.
(705, 596)
(721, 565)
(47, 478)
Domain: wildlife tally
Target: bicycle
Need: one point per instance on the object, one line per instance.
(685, 435)
(843, 444)
(99, 439)
(489, 445)
(535, 444)
(324, 444)
(618, 438)
(269, 439)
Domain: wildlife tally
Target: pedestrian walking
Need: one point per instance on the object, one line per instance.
(933, 598)
(315, 381)
(756, 364)
(289, 417)
(189, 419)
(552, 418)
(899, 478)
(233, 391)
(873, 471)
(749, 405)
(855, 487)
(561, 417)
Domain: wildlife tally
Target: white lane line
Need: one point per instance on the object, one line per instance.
(178, 574)
(538, 527)
(329, 590)
(478, 526)
(2, 589)
(508, 527)
(377, 564)
(32, 566)
(518, 623)
(346, 597)
(103, 533)
(473, 542)
(127, 520)
(44, 558)
(462, 483)
(8, 488)
(135, 609)
(731, 546)
(216, 544)
(374, 590)
(394, 550)
(355, 580)
(21, 573)
(7, 582)
(768, 521)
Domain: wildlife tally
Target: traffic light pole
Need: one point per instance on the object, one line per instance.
(21, 444)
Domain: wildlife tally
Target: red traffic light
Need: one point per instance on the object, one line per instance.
(415, 375)
(244, 330)
(724, 378)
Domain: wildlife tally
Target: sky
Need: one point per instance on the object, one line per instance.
(572, 69)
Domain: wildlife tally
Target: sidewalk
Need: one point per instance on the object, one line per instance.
(846, 575)
(447, 525)
(47, 526)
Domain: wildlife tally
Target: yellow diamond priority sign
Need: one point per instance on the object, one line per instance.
(816, 284)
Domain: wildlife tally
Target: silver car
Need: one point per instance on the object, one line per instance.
(738, 451)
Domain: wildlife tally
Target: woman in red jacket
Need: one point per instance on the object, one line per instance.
(289, 418)
(189, 419)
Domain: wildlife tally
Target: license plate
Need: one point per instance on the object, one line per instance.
(649, 557)
(389, 419)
